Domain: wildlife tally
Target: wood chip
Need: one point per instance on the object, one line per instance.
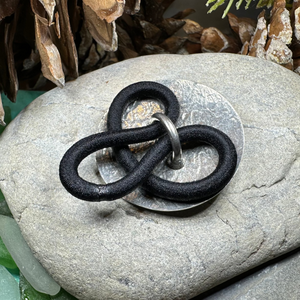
(296, 64)
(65, 41)
(57, 26)
(8, 75)
(132, 6)
(243, 27)
(152, 49)
(173, 44)
(171, 25)
(86, 41)
(155, 9)
(150, 31)
(280, 24)
(278, 52)
(103, 32)
(108, 10)
(192, 27)
(49, 6)
(258, 40)
(91, 60)
(74, 15)
(39, 11)
(31, 61)
(7, 8)
(125, 44)
(245, 48)
(2, 113)
(213, 40)
(50, 57)
(192, 48)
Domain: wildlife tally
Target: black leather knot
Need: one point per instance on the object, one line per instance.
(139, 174)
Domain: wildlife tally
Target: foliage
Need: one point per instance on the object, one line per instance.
(260, 3)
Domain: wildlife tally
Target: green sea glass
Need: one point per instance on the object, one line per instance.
(24, 259)
(9, 289)
(63, 295)
(28, 292)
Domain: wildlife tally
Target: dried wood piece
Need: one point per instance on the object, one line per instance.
(243, 27)
(154, 10)
(191, 47)
(50, 58)
(108, 10)
(152, 49)
(278, 52)
(171, 25)
(258, 40)
(150, 31)
(49, 6)
(103, 32)
(13, 78)
(173, 44)
(8, 74)
(184, 13)
(57, 26)
(7, 8)
(127, 52)
(65, 42)
(280, 24)
(192, 27)
(280, 34)
(91, 60)
(132, 6)
(278, 4)
(2, 113)
(213, 40)
(74, 15)
(109, 59)
(245, 48)
(86, 41)
(39, 11)
(125, 44)
(31, 61)
(297, 23)
(296, 64)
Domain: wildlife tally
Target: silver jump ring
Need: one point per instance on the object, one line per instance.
(175, 160)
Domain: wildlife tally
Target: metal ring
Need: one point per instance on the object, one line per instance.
(175, 161)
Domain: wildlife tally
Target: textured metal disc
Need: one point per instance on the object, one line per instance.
(199, 104)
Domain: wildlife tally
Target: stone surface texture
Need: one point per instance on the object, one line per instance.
(113, 250)
(279, 280)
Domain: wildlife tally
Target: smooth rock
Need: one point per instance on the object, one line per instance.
(29, 266)
(279, 280)
(113, 250)
(9, 288)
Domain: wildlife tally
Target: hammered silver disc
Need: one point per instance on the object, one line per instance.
(199, 104)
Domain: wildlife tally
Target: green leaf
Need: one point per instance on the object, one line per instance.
(5, 258)
(238, 4)
(216, 5)
(28, 292)
(227, 9)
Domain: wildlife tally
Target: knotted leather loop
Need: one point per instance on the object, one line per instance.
(139, 173)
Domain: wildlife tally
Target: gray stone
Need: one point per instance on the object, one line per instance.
(112, 250)
(279, 280)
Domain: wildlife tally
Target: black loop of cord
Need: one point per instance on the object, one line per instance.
(139, 174)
